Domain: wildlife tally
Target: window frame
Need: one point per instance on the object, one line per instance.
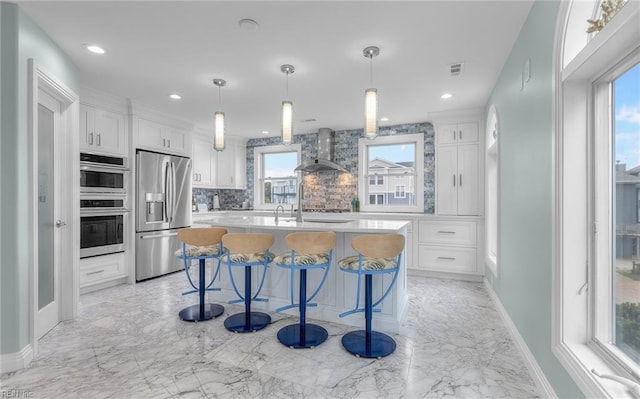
(575, 209)
(363, 144)
(258, 164)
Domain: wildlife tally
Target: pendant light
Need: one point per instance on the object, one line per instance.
(287, 109)
(218, 119)
(371, 98)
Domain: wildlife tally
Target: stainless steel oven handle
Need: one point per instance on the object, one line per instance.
(84, 165)
(151, 236)
(103, 212)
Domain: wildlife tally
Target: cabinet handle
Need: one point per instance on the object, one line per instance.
(454, 135)
(199, 177)
(164, 142)
(446, 232)
(454, 180)
(96, 272)
(168, 143)
(98, 139)
(90, 138)
(445, 258)
(460, 180)
(460, 134)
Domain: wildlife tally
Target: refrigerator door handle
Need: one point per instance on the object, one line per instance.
(173, 191)
(166, 193)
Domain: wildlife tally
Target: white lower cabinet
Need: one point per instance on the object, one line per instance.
(447, 259)
(448, 246)
(102, 269)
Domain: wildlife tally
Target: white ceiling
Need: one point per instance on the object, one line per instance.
(155, 48)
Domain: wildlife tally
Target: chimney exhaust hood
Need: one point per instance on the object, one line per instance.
(325, 154)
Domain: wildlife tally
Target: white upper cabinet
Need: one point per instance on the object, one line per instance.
(102, 131)
(458, 133)
(204, 162)
(159, 137)
(218, 169)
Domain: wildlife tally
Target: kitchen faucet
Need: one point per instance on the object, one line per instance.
(276, 212)
(300, 195)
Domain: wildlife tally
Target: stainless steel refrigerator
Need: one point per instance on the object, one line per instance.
(163, 206)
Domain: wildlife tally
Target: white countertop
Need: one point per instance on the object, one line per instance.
(288, 223)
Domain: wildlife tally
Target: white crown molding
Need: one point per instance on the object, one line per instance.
(456, 116)
(140, 110)
(16, 361)
(100, 99)
(544, 387)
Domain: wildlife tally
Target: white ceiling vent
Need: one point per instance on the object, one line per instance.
(456, 69)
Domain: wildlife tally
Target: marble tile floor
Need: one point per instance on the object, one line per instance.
(128, 342)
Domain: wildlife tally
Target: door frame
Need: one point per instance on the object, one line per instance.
(69, 287)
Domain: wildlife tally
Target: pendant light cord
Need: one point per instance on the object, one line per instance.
(371, 69)
(287, 86)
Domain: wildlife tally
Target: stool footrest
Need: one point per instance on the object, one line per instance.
(359, 310)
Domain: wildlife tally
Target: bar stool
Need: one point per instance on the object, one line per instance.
(309, 250)
(201, 244)
(377, 254)
(247, 250)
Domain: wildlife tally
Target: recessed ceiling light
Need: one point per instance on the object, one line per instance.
(95, 49)
(446, 96)
(247, 24)
(265, 132)
(384, 119)
(175, 96)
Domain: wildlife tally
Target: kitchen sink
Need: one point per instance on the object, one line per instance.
(328, 220)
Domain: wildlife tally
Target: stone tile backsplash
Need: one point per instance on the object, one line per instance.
(227, 198)
(333, 189)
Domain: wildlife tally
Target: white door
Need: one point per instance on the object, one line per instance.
(48, 267)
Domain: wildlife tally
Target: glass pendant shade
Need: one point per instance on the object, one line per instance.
(371, 113)
(218, 136)
(287, 122)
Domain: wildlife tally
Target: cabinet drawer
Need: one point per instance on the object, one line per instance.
(447, 259)
(101, 268)
(441, 232)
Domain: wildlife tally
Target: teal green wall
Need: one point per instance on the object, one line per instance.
(526, 196)
(20, 40)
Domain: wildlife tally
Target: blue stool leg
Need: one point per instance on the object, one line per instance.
(368, 343)
(202, 311)
(247, 321)
(302, 335)
(303, 306)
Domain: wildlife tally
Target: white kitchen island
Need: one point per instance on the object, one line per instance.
(339, 291)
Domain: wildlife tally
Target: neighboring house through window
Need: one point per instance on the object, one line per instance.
(391, 176)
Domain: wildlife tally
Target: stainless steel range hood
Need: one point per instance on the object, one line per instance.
(325, 154)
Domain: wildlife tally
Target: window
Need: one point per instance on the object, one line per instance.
(276, 182)
(597, 150)
(617, 265)
(376, 199)
(391, 173)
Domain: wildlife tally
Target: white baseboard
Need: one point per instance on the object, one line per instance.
(544, 387)
(15, 361)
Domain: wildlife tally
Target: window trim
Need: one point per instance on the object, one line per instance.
(363, 179)
(258, 152)
(492, 216)
(573, 211)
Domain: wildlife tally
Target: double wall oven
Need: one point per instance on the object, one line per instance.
(104, 205)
